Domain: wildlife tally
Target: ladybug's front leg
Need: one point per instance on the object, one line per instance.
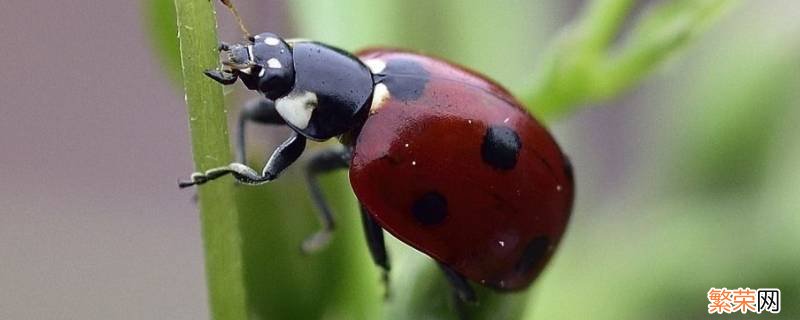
(257, 110)
(282, 158)
(223, 77)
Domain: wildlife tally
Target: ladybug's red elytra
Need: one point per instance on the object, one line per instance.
(439, 156)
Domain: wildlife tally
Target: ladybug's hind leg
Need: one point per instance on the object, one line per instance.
(323, 162)
(462, 291)
(377, 246)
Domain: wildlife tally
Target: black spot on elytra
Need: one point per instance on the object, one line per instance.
(501, 147)
(534, 252)
(405, 79)
(430, 209)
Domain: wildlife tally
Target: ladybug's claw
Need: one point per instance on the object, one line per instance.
(387, 291)
(316, 241)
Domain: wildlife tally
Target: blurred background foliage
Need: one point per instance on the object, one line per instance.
(688, 182)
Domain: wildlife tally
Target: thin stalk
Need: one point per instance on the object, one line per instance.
(582, 67)
(602, 21)
(207, 121)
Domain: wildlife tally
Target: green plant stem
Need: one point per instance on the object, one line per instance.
(219, 214)
(601, 23)
(660, 34)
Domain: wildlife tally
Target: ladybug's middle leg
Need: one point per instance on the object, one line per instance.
(327, 161)
(330, 160)
(323, 162)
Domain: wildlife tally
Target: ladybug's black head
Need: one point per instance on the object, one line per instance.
(264, 63)
(320, 91)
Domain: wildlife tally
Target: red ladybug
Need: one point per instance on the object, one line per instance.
(441, 157)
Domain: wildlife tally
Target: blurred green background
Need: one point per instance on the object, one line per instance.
(686, 163)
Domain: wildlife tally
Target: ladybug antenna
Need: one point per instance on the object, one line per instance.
(238, 18)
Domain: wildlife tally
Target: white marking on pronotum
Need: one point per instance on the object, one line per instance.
(379, 97)
(274, 63)
(262, 72)
(270, 41)
(247, 70)
(296, 108)
(502, 243)
(375, 65)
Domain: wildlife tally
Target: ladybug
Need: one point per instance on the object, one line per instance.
(441, 157)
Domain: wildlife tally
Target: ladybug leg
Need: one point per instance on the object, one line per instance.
(257, 110)
(377, 246)
(323, 162)
(461, 288)
(284, 155)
